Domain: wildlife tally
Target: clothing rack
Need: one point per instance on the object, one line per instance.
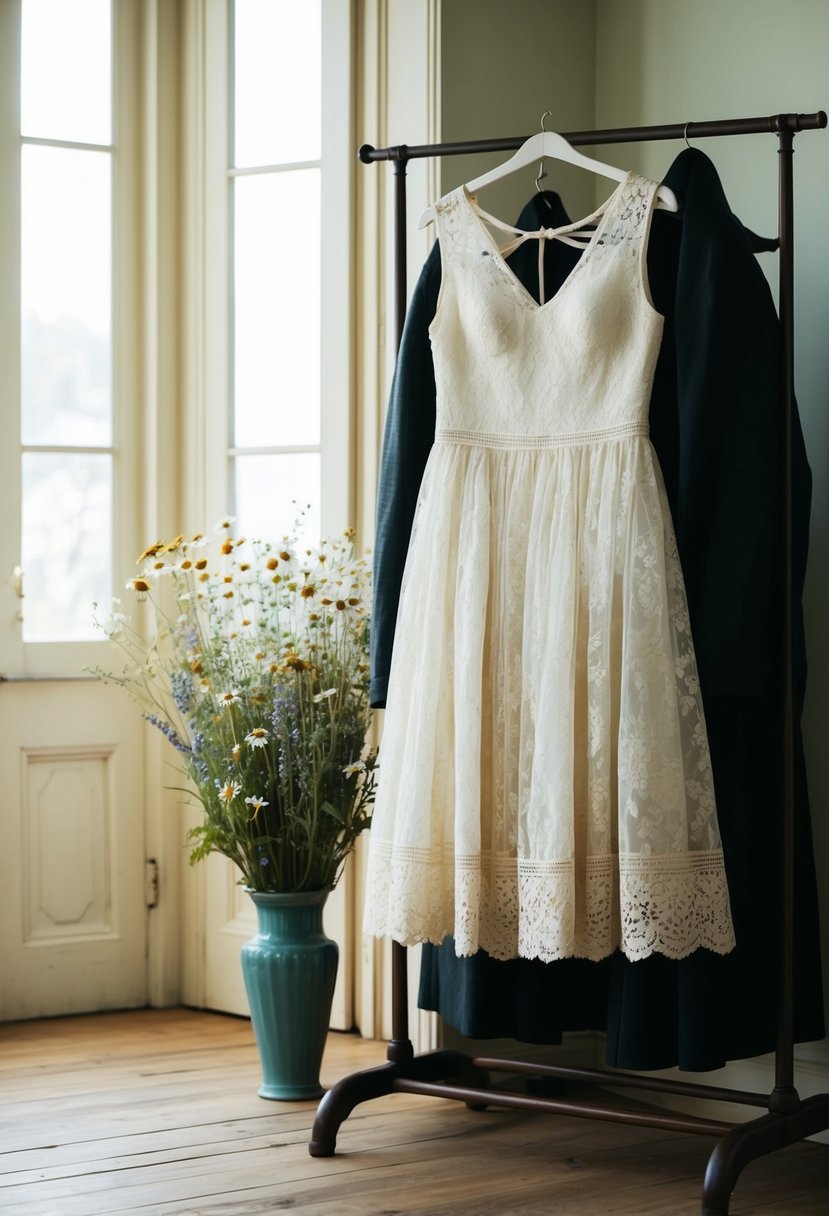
(451, 1074)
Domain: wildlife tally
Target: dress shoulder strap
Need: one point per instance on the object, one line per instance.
(449, 219)
(625, 228)
(626, 223)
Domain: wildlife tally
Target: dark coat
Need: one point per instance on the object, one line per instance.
(714, 424)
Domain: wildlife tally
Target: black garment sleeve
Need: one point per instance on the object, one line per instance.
(407, 441)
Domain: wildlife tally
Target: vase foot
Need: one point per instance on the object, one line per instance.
(290, 1093)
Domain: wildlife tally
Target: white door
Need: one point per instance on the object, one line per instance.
(72, 907)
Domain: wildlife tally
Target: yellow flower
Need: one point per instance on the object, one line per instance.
(138, 584)
(201, 563)
(292, 662)
(150, 552)
(271, 563)
(307, 591)
(285, 555)
(227, 546)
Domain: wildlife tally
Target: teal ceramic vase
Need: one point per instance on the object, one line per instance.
(289, 970)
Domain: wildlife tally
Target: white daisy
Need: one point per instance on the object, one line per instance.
(324, 696)
(233, 697)
(257, 803)
(229, 791)
(258, 737)
(359, 766)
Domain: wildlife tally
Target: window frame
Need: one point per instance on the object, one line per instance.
(68, 659)
(212, 273)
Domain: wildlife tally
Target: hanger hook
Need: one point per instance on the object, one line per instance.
(541, 172)
(685, 135)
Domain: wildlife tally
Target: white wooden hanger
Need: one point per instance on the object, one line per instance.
(554, 146)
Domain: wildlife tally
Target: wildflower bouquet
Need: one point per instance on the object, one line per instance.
(257, 674)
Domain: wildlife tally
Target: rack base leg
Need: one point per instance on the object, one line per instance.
(757, 1138)
(359, 1087)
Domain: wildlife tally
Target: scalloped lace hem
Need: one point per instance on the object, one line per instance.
(671, 904)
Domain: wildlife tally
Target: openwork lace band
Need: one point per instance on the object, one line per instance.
(484, 439)
(510, 907)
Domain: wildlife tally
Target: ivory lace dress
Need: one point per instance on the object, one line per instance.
(545, 785)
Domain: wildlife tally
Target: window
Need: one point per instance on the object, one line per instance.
(275, 172)
(66, 398)
(270, 394)
(70, 306)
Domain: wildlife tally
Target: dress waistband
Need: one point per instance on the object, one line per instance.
(485, 439)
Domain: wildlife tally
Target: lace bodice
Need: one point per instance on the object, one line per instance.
(587, 355)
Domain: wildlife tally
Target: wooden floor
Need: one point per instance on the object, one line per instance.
(155, 1112)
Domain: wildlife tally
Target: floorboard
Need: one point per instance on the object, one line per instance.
(156, 1112)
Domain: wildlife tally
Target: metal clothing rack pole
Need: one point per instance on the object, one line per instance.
(452, 1074)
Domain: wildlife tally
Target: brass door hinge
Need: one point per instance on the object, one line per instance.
(151, 882)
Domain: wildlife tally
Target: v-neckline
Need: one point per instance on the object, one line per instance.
(600, 214)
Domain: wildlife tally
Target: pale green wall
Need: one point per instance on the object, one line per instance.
(630, 62)
(503, 65)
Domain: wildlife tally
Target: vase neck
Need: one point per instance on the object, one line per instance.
(296, 914)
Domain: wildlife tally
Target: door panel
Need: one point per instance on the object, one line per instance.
(72, 906)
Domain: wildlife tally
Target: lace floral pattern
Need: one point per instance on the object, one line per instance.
(545, 780)
(546, 910)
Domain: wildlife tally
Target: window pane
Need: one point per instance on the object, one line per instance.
(277, 309)
(66, 70)
(277, 81)
(272, 490)
(66, 296)
(66, 552)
